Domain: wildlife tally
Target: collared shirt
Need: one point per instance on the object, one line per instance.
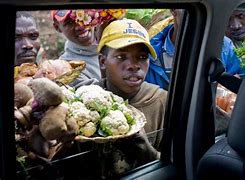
(160, 69)
(168, 53)
(229, 58)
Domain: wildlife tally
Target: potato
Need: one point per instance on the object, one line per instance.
(72, 130)
(53, 125)
(52, 69)
(46, 92)
(23, 115)
(22, 94)
(72, 126)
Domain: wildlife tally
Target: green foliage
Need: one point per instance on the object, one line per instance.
(241, 54)
(21, 160)
(96, 106)
(106, 130)
(143, 16)
(130, 119)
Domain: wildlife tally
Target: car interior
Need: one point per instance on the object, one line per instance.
(199, 140)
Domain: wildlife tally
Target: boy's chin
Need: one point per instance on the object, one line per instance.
(131, 89)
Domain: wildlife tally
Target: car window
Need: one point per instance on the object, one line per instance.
(232, 57)
(39, 154)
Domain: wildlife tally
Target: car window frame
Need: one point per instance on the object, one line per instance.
(183, 95)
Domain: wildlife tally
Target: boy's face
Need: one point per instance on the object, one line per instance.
(126, 68)
(236, 26)
(75, 33)
(27, 43)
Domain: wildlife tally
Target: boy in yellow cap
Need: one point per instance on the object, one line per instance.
(124, 50)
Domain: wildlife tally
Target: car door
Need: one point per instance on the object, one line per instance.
(189, 122)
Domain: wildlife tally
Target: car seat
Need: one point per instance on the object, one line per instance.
(225, 159)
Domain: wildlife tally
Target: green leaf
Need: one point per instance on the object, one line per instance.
(105, 129)
(241, 54)
(130, 119)
(102, 110)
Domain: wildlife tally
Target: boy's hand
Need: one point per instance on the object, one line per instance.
(138, 146)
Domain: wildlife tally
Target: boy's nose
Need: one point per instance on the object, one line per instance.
(133, 65)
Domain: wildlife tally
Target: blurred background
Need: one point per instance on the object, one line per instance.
(52, 42)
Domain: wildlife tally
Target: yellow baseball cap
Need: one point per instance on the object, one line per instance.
(125, 32)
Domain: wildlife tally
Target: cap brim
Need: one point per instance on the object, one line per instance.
(124, 42)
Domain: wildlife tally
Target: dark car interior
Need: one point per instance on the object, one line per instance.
(190, 149)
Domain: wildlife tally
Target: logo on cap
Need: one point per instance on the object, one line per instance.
(131, 30)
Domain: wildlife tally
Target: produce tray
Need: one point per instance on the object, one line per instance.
(140, 123)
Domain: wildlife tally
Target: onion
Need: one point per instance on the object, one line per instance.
(52, 69)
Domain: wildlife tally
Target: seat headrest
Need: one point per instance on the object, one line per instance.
(236, 130)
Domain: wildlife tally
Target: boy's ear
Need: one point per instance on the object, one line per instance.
(56, 26)
(102, 60)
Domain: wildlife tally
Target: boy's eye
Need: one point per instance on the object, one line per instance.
(143, 57)
(120, 57)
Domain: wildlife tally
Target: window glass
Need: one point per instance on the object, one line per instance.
(66, 132)
(232, 57)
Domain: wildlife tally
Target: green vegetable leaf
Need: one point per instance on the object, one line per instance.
(240, 51)
(130, 119)
(103, 111)
(115, 106)
(105, 129)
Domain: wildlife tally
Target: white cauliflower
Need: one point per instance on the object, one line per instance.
(86, 119)
(98, 108)
(69, 93)
(82, 115)
(76, 105)
(114, 123)
(85, 89)
(94, 97)
(119, 104)
(128, 113)
(117, 99)
(95, 116)
(89, 129)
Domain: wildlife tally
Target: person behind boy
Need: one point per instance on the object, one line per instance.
(27, 43)
(124, 58)
(236, 27)
(80, 45)
(164, 44)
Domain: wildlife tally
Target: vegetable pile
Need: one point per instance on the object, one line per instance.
(48, 115)
(98, 112)
(51, 69)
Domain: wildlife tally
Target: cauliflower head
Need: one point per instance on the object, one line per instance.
(69, 93)
(114, 123)
(82, 115)
(119, 104)
(89, 129)
(94, 97)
